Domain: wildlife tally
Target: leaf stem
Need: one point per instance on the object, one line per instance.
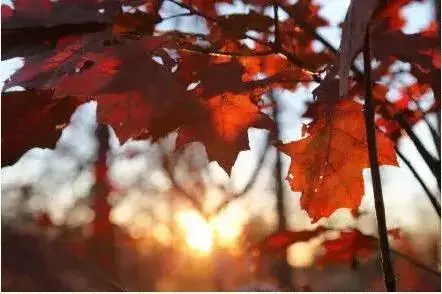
(387, 267)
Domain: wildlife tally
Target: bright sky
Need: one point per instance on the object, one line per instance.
(53, 173)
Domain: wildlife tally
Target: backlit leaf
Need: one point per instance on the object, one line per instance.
(326, 166)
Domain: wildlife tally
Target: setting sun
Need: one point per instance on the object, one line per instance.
(198, 233)
(228, 228)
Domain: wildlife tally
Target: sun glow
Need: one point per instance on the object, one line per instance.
(302, 254)
(200, 235)
(228, 228)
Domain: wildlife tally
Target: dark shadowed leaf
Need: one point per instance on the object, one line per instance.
(33, 119)
(283, 239)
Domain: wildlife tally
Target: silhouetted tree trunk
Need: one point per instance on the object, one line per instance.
(283, 268)
(102, 245)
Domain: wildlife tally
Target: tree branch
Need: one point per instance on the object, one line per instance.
(434, 133)
(284, 270)
(290, 56)
(249, 184)
(183, 192)
(225, 53)
(431, 162)
(276, 23)
(415, 262)
(433, 201)
(176, 16)
(430, 196)
(26, 41)
(387, 267)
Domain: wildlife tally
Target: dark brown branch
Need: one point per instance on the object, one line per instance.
(276, 23)
(434, 133)
(404, 256)
(415, 262)
(183, 192)
(176, 16)
(193, 10)
(26, 41)
(282, 222)
(290, 56)
(437, 13)
(225, 53)
(430, 196)
(431, 162)
(284, 270)
(438, 127)
(387, 267)
(433, 201)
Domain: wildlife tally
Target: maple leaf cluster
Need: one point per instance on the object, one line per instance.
(351, 245)
(208, 87)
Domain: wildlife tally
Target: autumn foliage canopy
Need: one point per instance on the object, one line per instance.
(209, 87)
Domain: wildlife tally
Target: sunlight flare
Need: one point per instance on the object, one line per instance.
(198, 233)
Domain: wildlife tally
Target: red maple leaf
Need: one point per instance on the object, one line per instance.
(350, 246)
(327, 165)
(33, 119)
(283, 239)
(223, 126)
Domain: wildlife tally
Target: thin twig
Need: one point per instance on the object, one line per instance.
(433, 201)
(276, 23)
(434, 133)
(415, 262)
(176, 15)
(387, 267)
(289, 55)
(183, 192)
(249, 184)
(213, 52)
(431, 162)
(408, 258)
(430, 196)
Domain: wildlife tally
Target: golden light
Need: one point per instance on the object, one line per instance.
(162, 234)
(228, 228)
(198, 233)
(302, 254)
